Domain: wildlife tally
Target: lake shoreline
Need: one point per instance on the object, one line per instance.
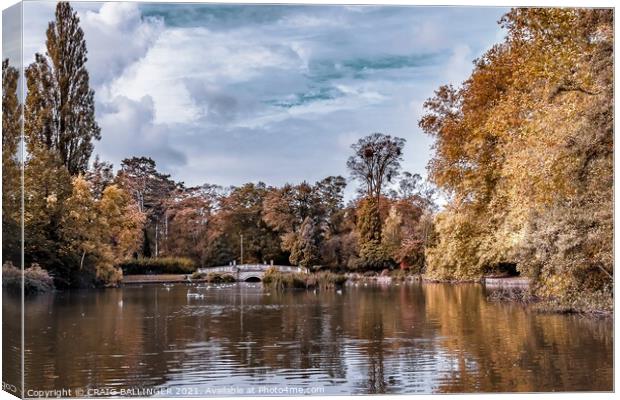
(307, 338)
(514, 290)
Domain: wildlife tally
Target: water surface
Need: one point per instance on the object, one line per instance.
(239, 339)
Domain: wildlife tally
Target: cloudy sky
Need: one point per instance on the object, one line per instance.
(227, 94)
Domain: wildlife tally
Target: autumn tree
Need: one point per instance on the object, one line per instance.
(289, 208)
(81, 223)
(59, 128)
(121, 230)
(524, 152)
(191, 224)
(100, 176)
(286, 208)
(330, 191)
(376, 162)
(392, 232)
(11, 165)
(77, 227)
(409, 228)
(305, 245)
(47, 185)
(152, 191)
(568, 238)
(60, 107)
(241, 213)
(339, 240)
(340, 248)
(100, 233)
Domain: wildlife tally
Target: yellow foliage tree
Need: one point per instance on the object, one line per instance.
(102, 232)
(524, 150)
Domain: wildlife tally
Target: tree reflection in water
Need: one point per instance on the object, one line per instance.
(406, 339)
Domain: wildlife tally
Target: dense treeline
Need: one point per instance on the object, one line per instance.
(524, 149)
(301, 224)
(82, 221)
(523, 154)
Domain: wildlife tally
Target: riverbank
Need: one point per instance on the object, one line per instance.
(309, 280)
(507, 289)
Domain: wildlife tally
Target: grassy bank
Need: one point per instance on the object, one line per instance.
(527, 297)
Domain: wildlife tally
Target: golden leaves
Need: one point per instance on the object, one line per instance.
(521, 136)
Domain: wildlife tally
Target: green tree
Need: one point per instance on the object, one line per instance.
(305, 247)
(47, 185)
(392, 232)
(372, 254)
(241, 213)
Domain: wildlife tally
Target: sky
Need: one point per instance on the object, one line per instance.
(228, 94)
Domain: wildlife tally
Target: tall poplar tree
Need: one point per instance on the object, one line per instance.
(11, 128)
(60, 107)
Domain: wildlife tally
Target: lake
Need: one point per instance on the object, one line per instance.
(239, 339)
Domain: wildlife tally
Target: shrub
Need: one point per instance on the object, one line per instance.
(329, 280)
(36, 279)
(402, 275)
(199, 275)
(321, 280)
(216, 277)
(398, 275)
(511, 294)
(276, 279)
(164, 265)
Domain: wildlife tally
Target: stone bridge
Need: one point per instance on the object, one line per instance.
(251, 272)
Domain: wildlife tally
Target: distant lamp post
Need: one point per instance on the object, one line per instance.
(241, 249)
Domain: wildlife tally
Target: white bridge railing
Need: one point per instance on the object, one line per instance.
(253, 268)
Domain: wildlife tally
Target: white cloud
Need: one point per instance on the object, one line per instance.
(116, 36)
(302, 21)
(203, 93)
(213, 58)
(353, 100)
(128, 129)
(459, 65)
